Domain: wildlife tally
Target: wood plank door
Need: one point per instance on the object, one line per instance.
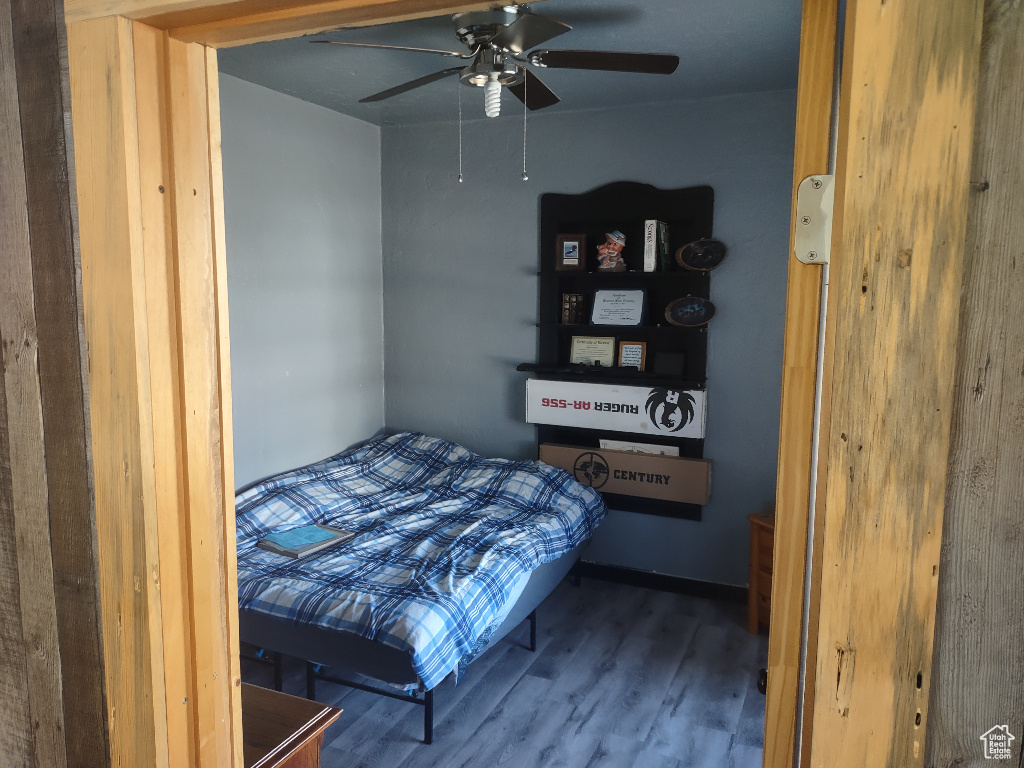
(909, 81)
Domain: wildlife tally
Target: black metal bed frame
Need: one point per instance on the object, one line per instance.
(275, 659)
(424, 699)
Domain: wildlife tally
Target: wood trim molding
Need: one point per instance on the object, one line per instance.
(210, 530)
(909, 86)
(145, 120)
(800, 351)
(229, 574)
(220, 23)
(106, 157)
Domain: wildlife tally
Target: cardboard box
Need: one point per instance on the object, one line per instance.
(634, 474)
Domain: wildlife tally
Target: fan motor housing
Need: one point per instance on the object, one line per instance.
(488, 63)
(478, 27)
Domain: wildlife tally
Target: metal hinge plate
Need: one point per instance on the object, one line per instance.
(812, 242)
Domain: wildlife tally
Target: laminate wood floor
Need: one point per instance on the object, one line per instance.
(623, 677)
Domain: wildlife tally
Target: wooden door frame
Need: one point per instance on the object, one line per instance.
(146, 126)
(815, 94)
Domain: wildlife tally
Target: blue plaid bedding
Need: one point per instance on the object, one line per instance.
(443, 537)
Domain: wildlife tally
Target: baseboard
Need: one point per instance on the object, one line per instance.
(636, 578)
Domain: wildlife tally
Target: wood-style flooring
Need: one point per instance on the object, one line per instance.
(623, 677)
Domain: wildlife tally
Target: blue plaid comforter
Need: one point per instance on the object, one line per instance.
(443, 536)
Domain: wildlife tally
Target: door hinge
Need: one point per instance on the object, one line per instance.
(812, 241)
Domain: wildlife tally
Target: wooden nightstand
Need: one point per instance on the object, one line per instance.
(759, 594)
(282, 731)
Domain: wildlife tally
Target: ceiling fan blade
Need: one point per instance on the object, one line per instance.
(527, 31)
(607, 61)
(533, 92)
(411, 84)
(394, 48)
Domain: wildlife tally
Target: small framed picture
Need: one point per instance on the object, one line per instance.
(573, 309)
(632, 354)
(593, 350)
(570, 252)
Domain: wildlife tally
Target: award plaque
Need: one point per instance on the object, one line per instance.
(570, 253)
(593, 350)
(573, 311)
(690, 312)
(701, 255)
(632, 354)
(618, 307)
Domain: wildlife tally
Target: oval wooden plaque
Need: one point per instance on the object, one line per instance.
(701, 255)
(690, 312)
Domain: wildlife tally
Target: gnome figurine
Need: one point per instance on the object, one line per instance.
(609, 253)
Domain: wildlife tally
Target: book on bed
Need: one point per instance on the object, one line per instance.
(304, 540)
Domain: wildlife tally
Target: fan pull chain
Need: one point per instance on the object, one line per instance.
(459, 86)
(525, 177)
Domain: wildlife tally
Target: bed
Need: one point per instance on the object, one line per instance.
(452, 550)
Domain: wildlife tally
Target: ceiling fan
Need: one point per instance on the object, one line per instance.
(497, 42)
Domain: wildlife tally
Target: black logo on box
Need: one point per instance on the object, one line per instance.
(591, 469)
(670, 409)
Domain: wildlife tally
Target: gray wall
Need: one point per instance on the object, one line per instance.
(303, 219)
(460, 263)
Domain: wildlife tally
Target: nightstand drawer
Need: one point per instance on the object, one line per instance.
(765, 549)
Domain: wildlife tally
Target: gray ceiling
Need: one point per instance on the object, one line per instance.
(724, 46)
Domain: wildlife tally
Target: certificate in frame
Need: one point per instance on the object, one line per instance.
(593, 350)
(619, 307)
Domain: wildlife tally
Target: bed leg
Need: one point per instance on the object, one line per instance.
(428, 717)
(310, 680)
(574, 574)
(533, 630)
(278, 671)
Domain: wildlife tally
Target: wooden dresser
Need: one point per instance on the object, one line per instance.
(759, 594)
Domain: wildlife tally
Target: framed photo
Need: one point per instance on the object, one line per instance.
(618, 307)
(632, 354)
(570, 252)
(593, 350)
